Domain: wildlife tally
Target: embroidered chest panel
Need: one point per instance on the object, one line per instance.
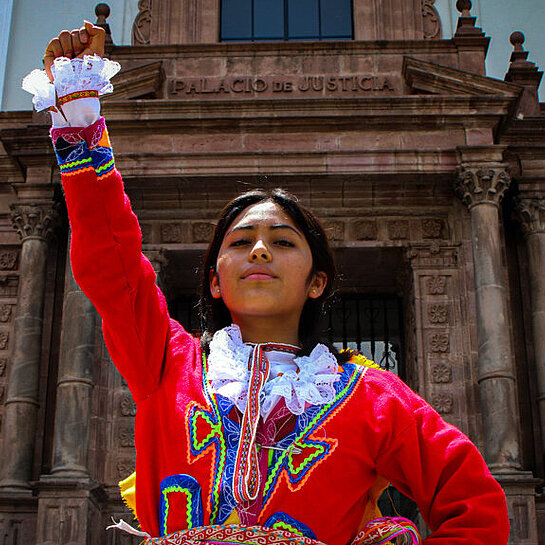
(213, 436)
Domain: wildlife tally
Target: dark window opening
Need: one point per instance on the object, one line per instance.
(286, 20)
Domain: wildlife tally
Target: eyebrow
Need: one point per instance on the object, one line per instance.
(272, 228)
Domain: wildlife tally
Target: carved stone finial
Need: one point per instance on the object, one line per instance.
(530, 212)
(35, 220)
(482, 185)
(464, 7)
(102, 11)
(517, 39)
(525, 73)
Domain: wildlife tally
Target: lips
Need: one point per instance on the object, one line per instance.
(258, 274)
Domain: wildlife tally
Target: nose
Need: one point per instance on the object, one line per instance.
(260, 253)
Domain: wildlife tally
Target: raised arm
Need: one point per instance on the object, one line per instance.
(106, 243)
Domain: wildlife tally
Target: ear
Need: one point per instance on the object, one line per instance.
(317, 284)
(215, 288)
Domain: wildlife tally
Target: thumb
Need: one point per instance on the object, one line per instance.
(91, 29)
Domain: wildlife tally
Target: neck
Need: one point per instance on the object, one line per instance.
(267, 330)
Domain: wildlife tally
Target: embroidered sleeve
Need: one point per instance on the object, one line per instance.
(107, 259)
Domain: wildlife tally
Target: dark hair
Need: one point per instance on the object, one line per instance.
(215, 315)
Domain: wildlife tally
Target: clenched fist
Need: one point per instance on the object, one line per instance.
(87, 40)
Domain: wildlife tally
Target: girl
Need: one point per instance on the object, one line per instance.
(255, 433)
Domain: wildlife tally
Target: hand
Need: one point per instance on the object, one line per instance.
(87, 40)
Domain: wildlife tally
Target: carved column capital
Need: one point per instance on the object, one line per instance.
(35, 219)
(530, 212)
(478, 185)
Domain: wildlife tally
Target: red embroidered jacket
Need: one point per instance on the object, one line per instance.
(376, 429)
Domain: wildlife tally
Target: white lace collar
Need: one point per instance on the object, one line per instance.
(308, 380)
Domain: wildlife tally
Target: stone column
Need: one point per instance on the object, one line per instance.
(35, 223)
(481, 188)
(530, 211)
(75, 382)
(482, 181)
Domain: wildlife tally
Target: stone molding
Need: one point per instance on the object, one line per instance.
(482, 185)
(530, 212)
(35, 220)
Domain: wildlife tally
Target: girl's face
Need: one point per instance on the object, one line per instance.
(264, 266)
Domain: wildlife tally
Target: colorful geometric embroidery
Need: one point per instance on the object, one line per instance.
(384, 530)
(75, 96)
(247, 475)
(103, 160)
(180, 493)
(205, 434)
(297, 466)
(233, 534)
(282, 521)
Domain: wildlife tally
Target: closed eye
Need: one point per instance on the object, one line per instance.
(286, 243)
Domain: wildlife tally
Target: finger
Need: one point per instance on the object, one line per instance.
(83, 35)
(77, 46)
(65, 39)
(52, 51)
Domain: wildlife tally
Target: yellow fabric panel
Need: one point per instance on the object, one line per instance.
(128, 492)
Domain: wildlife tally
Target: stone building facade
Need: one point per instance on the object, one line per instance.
(429, 177)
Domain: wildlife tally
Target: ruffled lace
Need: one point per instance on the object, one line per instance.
(309, 382)
(92, 73)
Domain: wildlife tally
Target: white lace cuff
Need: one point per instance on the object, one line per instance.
(92, 73)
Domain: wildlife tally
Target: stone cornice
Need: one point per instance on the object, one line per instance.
(435, 78)
(252, 49)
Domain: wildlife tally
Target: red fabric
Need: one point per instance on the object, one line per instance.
(383, 428)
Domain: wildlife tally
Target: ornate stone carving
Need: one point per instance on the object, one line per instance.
(5, 313)
(35, 219)
(125, 466)
(8, 260)
(530, 212)
(398, 229)
(438, 314)
(4, 339)
(171, 232)
(126, 437)
(127, 406)
(432, 228)
(3, 366)
(141, 28)
(432, 21)
(334, 230)
(202, 231)
(437, 285)
(432, 255)
(439, 342)
(366, 230)
(441, 373)
(478, 185)
(442, 403)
